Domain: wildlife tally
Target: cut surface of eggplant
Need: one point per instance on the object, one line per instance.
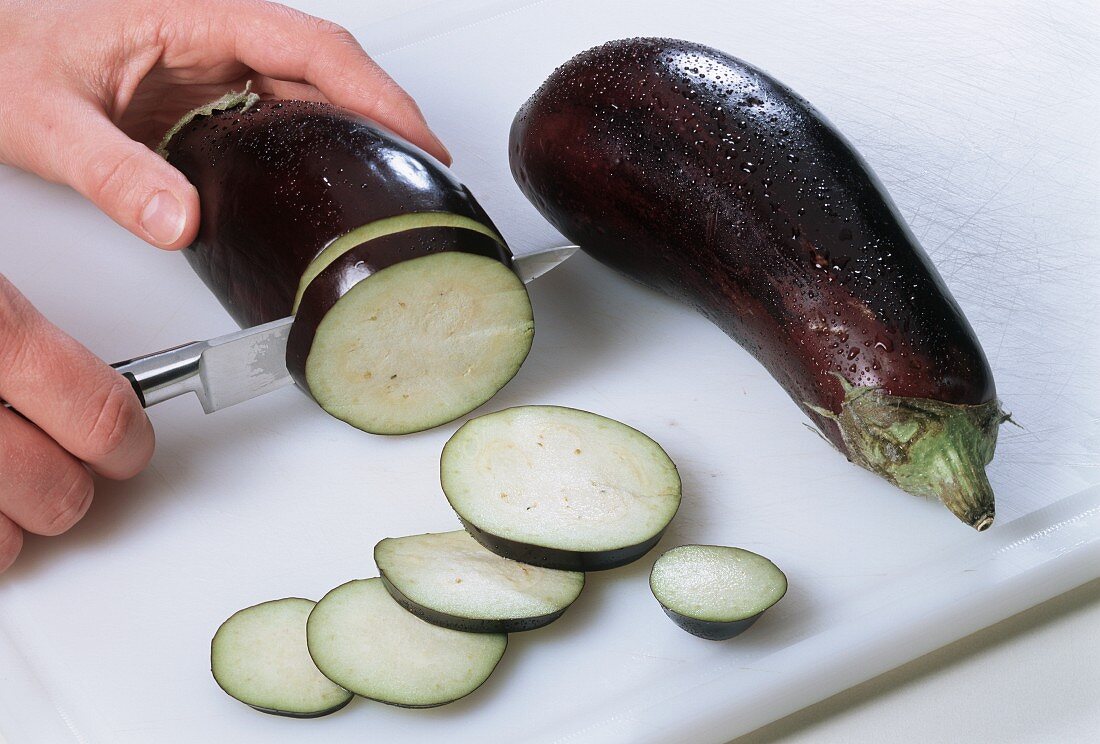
(420, 343)
(450, 579)
(360, 638)
(259, 657)
(714, 591)
(560, 488)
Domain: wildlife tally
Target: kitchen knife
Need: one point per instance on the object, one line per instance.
(233, 368)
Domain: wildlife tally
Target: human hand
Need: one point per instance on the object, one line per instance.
(81, 417)
(89, 85)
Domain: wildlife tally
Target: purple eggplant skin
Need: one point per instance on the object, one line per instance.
(703, 177)
(279, 180)
(466, 624)
(557, 558)
(711, 630)
(364, 260)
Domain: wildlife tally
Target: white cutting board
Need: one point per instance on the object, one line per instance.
(980, 121)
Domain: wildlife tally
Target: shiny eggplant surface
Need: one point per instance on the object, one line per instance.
(698, 174)
(280, 180)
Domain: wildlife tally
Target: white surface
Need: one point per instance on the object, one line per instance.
(982, 127)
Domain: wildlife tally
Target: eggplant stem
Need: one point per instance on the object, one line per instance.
(245, 99)
(926, 447)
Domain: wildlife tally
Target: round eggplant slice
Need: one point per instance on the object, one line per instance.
(559, 488)
(414, 345)
(713, 591)
(360, 638)
(259, 657)
(450, 579)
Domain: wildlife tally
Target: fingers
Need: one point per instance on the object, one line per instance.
(46, 490)
(133, 185)
(284, 43)
(11, 542)
(84, 405)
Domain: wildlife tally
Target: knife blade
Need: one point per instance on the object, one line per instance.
(239, 366)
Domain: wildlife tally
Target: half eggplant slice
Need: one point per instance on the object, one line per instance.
(560, 488)
(451, 580)
(713, 591)
(415, 344)
(360, 638)
(259, 657)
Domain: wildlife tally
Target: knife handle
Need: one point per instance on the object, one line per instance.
(162, 375)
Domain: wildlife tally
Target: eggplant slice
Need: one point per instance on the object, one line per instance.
(259, 657)
(418, 343)
(451, 580)
(560, 488)
(360, 638)
(713, 591)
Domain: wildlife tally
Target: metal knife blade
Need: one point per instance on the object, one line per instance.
(233, 368)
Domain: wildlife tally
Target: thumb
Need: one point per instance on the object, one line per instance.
(133, 185)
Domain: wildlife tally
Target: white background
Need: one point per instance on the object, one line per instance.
(1031, 678)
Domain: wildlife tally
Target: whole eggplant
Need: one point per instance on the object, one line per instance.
(698, 174)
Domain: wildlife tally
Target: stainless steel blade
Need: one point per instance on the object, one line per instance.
(531, 266)
(242, 365)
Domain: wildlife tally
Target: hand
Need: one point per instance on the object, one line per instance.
(81, 417)
(88, 85)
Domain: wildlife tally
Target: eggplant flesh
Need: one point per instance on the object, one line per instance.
(368, 644)
(411, 330)
(559, 488)
(714, 591)
(703, 177)
(314, 210)
(259, 657)
(451, 580)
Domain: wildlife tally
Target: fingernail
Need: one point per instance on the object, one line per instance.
(447, 153)
(163, 218)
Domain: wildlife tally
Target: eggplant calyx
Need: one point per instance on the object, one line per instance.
(245, 99)
(925, 447)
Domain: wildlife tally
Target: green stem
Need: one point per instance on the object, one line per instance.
(245, 99)
(926, 447)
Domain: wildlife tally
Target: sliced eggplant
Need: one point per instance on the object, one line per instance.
(302, 204)
(713, 591)
(559, 488)
(259, 657)
(413, 345)
(450, 579)
(361, 639)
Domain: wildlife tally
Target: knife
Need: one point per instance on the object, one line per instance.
(238, 366)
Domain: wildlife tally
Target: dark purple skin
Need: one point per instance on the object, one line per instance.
(280, 180)
(701, 176)
(711, 630)
(364, 260)
(563, 560)
(466, 624)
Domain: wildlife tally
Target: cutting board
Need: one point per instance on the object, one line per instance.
(980, 122)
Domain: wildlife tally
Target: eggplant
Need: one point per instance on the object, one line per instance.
(451, 580)
(559, 488)
(714, 591)
(392, 266)
(701, 176)
(259, 657)
(364, 641)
